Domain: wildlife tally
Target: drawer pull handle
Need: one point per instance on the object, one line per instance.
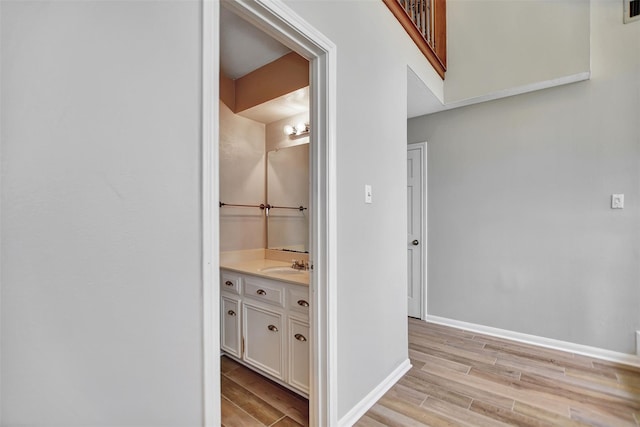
(300, 337)
(231, 313)
(272, 328)
(303, 303)
(228, 283)
(261, 292)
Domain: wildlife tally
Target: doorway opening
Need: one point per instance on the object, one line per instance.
(282, 24)
(264, 182)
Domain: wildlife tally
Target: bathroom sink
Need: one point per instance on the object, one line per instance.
(280, 270)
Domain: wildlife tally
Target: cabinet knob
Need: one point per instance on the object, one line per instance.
(231, 313)
(303, 303)
(228, 283)
(272, 328)
(261, 292)
(300, 337)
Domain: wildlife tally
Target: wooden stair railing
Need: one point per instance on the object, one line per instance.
(426, 23)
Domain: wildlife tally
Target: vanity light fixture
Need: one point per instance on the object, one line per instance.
(297, 130)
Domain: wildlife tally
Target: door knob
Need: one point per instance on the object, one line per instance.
(415, 242)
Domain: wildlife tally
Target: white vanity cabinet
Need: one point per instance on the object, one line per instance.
(265, 325)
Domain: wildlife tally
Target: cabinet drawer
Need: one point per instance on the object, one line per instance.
(230, 282)
(298, 300)
(262, 290)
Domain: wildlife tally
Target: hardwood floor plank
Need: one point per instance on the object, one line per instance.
(408, 394)
(294, 406)
(629, 380)
(286, 422)
(500, 394)
(456, 389)
(227, 364)
(501, 374)
(595, 418)
(367, 421)
(591, 375)
(581, 395)
(526, 365)
(417, 413)
(233, 416)
(513, 418)
(454, 354)
(249, 402)
(416, 363)
(438, 362)
(542, 416)
(389, 417)
(632, 371)
(529, 350)
(463, 416)
(436, 391)
(442, 338)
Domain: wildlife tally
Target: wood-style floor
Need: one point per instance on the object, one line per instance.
(249, 399)
(468, 379)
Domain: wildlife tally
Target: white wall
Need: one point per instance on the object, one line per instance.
(521, 234)
(101, 228)
(494, 45)
(242, 181)
(371, 149)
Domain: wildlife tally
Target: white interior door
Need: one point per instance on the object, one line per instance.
(416, 228)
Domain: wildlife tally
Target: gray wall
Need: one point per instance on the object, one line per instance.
(101, 227)
(521, 234)
(371, 149)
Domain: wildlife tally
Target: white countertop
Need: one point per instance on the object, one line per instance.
(254, 266)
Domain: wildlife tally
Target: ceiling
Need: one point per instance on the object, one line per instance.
(243, 47)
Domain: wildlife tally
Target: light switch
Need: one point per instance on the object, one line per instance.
(617, 201)
(367, 194)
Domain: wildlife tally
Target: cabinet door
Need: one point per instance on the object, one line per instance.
(299, 354)
(263, 334)
(230, 322)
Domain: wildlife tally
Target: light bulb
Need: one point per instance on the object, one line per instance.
(289, 130)
(300, 128)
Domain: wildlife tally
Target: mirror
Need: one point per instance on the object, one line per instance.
(287, 190)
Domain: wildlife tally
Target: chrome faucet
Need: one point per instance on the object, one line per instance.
(299, 265)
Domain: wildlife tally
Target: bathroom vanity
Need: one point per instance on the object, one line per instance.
(265, 319)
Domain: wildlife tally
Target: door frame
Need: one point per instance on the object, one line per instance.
(279, 21)
(422, 147)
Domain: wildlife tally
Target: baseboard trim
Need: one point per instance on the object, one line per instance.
(585, 350)
(370, 399)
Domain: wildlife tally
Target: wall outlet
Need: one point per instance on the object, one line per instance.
(617, 201)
